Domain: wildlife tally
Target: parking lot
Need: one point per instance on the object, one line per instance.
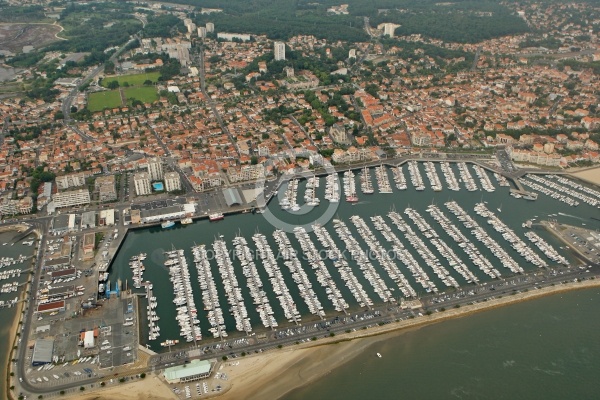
(115, 345)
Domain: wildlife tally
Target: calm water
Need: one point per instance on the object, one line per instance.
(542, 349)
(7, 314)
(154, 241)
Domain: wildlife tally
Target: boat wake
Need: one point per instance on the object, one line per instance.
(548, 371)
(572, 216)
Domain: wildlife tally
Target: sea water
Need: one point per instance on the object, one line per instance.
(546, 348)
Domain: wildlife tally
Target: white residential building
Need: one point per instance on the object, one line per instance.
(71, 180)
(105, 187)
(246, 173)
(141, 182)
(172, 181)
(279, 50)
(210, 27)
(72, 198)
(155, 170)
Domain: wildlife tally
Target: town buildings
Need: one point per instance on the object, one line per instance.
(172, 181)
(155, 170)
(71, 198)
(141, 183)
(279, 51)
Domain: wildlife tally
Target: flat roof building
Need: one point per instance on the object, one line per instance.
(141, 182)
(88, 340)
(279, 51)
(71, 199)
(51, 307)
(157, 214)
(42, 352)
(195, 370)
(57, 262)
(63, 223)
(88, 219)
(88, 243)
(155, 171)
(172, 181)
(106, 188)
(65, 273)
(107, 217)
(61, 291)
(71, 180)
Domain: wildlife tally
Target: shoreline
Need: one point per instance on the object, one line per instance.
(288, 369)
(18, 317)
(590, 175)
(12, 337)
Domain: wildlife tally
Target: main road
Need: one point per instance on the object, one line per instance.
(211, 102)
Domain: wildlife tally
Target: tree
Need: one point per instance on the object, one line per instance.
(254, 160)
(109, 67)
(113, 84)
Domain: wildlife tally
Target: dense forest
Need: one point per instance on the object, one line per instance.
(282, 20)
(163, 26)
(96, 26)
(21, 14)
(464, 21)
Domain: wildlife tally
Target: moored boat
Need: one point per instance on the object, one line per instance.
(215, 217)
(167, 224)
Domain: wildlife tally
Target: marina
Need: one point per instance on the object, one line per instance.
(182, 288)
(383, 181)
(366, 186)
(137, 269)
(332, 188)
(210, 296)
(363, 258)
(350, 187)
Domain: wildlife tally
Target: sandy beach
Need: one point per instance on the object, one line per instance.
(283, 370)
(13, 333)
(150, 388)
(591, 175)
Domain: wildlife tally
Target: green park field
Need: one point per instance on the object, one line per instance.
(134, 90)
(132, 80)
(145, 94)
(100, 100)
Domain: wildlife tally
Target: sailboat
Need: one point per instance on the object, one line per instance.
(500, 208)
